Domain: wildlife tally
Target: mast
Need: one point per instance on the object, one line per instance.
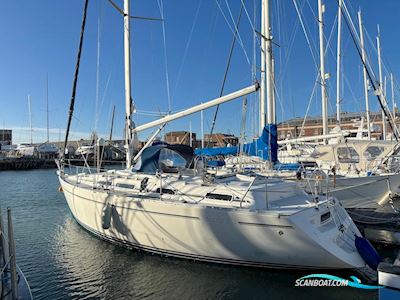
(268, 63)
(112, 125)
(273, 91)
(128, 104)
(363, 56)
(262, 68)
(202, 129)
(47, 107)
(393, 100)
(75, 81)
(321, 10)
(385, 85)
(190, 134)
(30, 116)
(378, 45)
(338, 61)
(267, 69)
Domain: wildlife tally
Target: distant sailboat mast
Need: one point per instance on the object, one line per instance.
(190, 134)
(393, 99)
(202, 128)
(30, 117)
(47, 107)
(338, 61)
(321, 10)
(378, 46)
(365, 75)
(112, 125)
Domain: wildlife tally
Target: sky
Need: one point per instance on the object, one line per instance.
(39, 39)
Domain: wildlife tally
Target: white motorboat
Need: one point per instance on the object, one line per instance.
(25, 150)
(85, 150)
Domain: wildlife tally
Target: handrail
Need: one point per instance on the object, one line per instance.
(247, 190)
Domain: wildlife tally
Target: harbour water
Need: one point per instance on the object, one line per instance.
(63, 261)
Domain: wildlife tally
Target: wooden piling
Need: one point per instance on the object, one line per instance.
(13, 264)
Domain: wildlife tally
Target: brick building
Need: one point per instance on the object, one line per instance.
(220, 140)
(214, 140)
(349, 121)
(179, 137)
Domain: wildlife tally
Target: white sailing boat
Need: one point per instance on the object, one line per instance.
(369, 174)
(163, 206)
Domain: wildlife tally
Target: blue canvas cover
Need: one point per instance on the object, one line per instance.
(287, 167)
(152, 156)
(217, 151)
(266, 146)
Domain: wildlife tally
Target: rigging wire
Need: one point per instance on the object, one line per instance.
(386, 68)
(105, 91)
(328, 47)
(161, 7)
(372, 44)
(256, 42)
(226, 70)
(187, 47)
(234, 30)
(252, 23)
(284, 68)
(299, 14)
(308, 106)
(382, 102)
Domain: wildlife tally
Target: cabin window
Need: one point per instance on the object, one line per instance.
(170, 159)
(372, 152)
(165, 191)
(219, 196)
(325, 217)
(347, 155)
(125, 186)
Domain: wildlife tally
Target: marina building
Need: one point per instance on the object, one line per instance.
(180, 137)
(5, 137)
(312, 126)
(210, 140)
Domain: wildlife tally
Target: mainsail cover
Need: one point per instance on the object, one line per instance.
(266, 146)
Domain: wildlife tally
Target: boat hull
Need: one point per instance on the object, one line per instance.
(220, 235)
(368, 192)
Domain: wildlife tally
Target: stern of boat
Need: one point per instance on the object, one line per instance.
(329, 226)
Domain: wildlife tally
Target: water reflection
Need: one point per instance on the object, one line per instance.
(90, 268)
